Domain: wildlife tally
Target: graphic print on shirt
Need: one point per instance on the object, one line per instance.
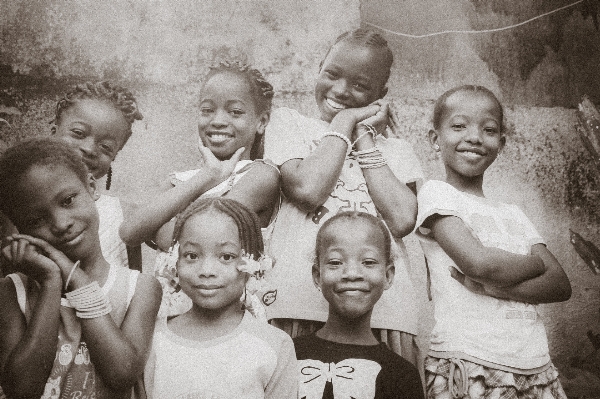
(346, 196)
(350, 378)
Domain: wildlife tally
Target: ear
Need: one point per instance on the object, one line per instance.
(316, 275)
(263, 121)
(433, 138)
(390, 272)
(502, 143)
(384, 92)
(53, 130)
(93, 187)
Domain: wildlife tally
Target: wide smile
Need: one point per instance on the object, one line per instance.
(72, 241)
(219, 137)
(335, 105)
(472, 154)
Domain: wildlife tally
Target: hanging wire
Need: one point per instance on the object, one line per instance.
(473, 31)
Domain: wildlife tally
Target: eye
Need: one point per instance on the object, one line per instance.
(370, 262)
(490, 129)
(106, 148)
(237, 112)
(331, 74)
(458, 126)
(68, 201)
(78, 133)
(206, 110)
(34, 223)
(190, 255)
(361, 87)
(333, 263)
(227, 258)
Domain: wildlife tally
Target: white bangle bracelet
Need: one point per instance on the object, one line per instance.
(343, 137)
(71, 274)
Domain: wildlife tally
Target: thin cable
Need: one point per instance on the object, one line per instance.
(474, 31)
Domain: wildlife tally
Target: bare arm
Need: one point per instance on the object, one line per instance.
(490, 266)
(143, 223)
(552, 286)
(27, 350)
(394, 200)
(119, 354)
(308, 182)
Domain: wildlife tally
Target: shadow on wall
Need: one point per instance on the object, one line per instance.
(551, 61)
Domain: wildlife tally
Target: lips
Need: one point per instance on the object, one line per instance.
(350, 290)
(71, 241)
(472, 152)
(218, 137)
(335, 105)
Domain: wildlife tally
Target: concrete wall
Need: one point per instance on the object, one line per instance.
(160, 50)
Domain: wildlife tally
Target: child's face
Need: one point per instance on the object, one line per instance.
(352, 76)
(97, 129)
(55, 205)
(228, 117)
(209, 254)
(469, 137)
(353, 269)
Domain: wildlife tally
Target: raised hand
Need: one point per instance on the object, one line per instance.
(36, 258)
(219, 170)
(379, 121)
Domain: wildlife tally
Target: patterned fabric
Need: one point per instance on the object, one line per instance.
(73, 374)
(455, 378)
(505, 332)
(291, 292)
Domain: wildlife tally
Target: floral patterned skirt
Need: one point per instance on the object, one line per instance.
(457, 378)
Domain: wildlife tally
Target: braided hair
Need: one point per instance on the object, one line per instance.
(367, 38)
(17, 160)
(261, 90)
(246, 221)
(121, 98)
(440, 104)
(357, 216)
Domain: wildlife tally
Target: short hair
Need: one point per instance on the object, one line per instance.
(356, 216)
(121, 98)
(440, 104)
(366, 38)
(261, 90)
(17, 160)
(246, 220)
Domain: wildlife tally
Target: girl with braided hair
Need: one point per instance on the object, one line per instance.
(96, 119)
(235, 104)
(344, 161)
(217, 349)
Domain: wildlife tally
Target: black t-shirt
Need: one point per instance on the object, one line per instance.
(330, 370)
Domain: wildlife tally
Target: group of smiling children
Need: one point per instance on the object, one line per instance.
(291, 227)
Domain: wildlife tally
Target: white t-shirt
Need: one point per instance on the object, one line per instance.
(291, 292)
(254, 361)
(504, 332)
(110, 215)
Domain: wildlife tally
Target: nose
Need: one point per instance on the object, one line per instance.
(340, 89)
(62, 222)
(220, 119)
(352, 271)
(88, 147)
(474, 135)
(206, 268)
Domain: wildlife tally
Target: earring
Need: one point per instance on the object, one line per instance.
(108, 178)
(436, 147)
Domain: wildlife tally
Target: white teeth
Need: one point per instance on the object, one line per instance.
(219, 138)
(472, 154)
(335, 105)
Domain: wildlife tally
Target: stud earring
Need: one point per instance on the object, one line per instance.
(436, 147)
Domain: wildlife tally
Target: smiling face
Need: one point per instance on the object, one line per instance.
(56, 206)
(352, 76)
(469, 136)
(353, 268)
(97, 129)
(209, 254)
(228, 118)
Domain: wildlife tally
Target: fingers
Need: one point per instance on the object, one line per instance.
(205, 153)
(236, 155)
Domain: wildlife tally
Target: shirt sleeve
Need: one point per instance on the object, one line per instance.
(437, 198)
(284, 381)
(284, 136)
(531, 234)
(401, 159)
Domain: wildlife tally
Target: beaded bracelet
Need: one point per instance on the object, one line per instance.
(369, 130)
(370, 158)
(71, 274)
(89, 301)
(343, 137)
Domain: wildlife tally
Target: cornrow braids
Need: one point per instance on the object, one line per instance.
(246, 221)
(440, 104)
(355, 215)
(119, 96)
(261, 90)
(367, 38)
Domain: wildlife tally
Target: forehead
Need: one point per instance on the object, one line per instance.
(352, 233)
(101, 115)
(472, 103)
(227, 86)
(358, 59)
(209, 227)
